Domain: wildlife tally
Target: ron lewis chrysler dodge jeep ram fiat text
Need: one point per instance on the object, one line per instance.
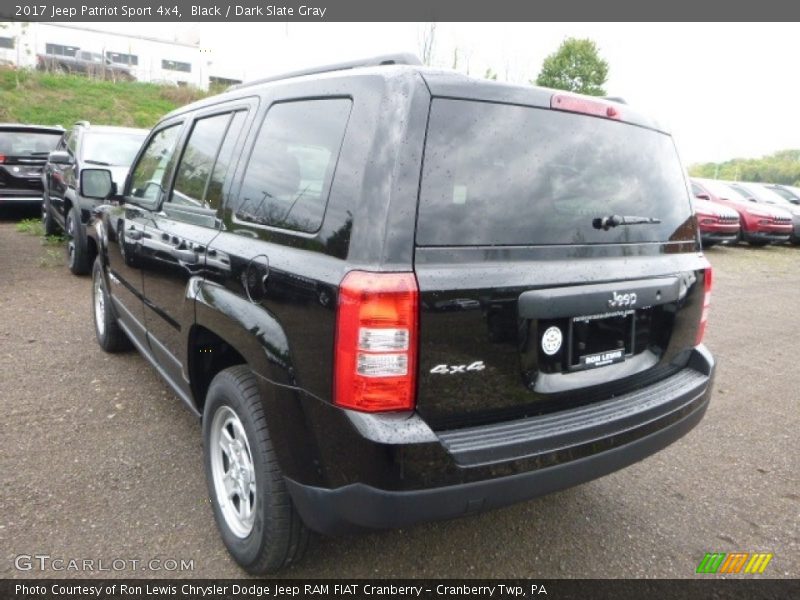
(395, 294)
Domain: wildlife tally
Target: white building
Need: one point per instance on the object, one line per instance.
(148, 59)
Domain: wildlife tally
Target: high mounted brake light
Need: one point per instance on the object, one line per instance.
(585, 106)
(707, 282)
(376, 342)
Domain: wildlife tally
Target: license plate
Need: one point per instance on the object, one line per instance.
(601, 339)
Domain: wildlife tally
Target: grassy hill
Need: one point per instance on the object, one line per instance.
(56, 99)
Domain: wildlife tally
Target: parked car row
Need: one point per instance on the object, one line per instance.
(63, 206)
(83, 62)
(756, 213)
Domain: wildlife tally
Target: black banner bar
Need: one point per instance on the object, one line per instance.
(407, 10)
(402, 589)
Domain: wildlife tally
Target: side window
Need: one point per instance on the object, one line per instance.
(224, 161)
(198, 160)
(289, 174)
(148, 178)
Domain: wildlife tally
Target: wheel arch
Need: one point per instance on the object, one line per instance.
(251, 331)
(253, 335)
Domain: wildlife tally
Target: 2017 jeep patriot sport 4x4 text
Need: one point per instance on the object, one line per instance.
(396, 294)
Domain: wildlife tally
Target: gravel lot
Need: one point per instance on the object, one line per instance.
(98, 459)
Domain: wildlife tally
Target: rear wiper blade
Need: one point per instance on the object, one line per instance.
(97, 162)
(606, 223)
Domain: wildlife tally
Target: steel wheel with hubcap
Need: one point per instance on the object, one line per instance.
(48, 224)
(232, 471)
(77, 254)
(99, 307)
(109, 334)
(253, 510)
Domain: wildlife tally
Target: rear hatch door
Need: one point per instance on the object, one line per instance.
(557, 260)
(23, 153)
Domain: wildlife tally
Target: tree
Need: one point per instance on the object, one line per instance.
(576, 67)
(782, 166)
(427, 43)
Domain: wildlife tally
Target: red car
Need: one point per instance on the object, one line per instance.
(717, 223)
(760, 224)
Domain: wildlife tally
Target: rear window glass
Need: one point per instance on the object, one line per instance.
(497, 174)
(28, 143)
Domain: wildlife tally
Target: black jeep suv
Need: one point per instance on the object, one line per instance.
(84, 145)
(395, 294)
(23, 153)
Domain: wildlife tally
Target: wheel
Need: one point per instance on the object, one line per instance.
(48, 223)
(77, 253)
(758, 243)
(255, 515)
(109, 334)
(709, 244)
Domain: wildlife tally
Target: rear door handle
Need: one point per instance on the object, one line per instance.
(185, 256)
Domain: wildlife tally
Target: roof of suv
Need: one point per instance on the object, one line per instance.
(109, 128)
(40, 128)
(442, 83)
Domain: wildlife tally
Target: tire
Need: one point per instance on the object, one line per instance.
(48, 223)
(709, 244)
(108, 332)
(273, 536)
(758, 243)
(77, 253)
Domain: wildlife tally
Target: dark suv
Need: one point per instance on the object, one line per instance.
(395, 294)
(62, 206)
(23, 152)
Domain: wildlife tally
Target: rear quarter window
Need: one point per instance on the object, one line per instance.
(498, 174)
(289, 174)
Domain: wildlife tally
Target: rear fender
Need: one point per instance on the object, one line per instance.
(257, 335)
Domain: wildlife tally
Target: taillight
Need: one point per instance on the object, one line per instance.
(585, 106)
(2, 158)
(707, 281)
(376, 342)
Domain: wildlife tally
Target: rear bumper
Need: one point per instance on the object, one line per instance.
(617, 432)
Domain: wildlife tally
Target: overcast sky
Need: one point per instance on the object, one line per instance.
(725, 90)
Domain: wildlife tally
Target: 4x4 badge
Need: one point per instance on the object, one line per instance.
(453, 369)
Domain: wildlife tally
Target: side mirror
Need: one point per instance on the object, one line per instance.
(60, 157)
(753, 200)
(97, 184)
(703, 196)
